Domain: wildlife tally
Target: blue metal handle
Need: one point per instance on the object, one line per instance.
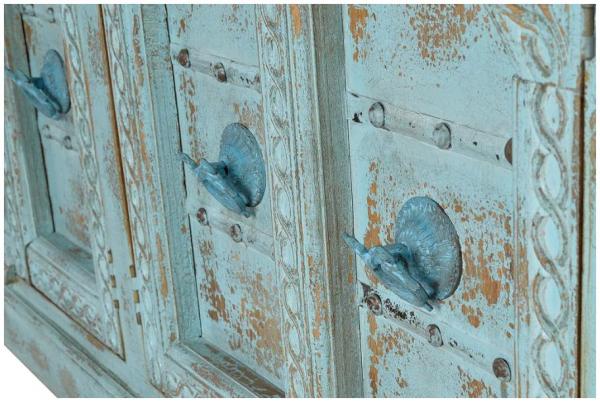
(35, 93)
(48, 93)
(390, 265)
(214, 178)
(424, 265)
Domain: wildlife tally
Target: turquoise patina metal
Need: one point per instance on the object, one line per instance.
(48, 93)
(238, 180)
(424, 264)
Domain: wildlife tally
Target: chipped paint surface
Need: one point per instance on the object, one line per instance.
(358, 22)
(227, 31)
(447, 61)
(395, 361)
(68, 383)
(236, 281)
(388, 169)
(296, 19)
(239, 304)
(441, 30)
(65, 176)
(405, 56)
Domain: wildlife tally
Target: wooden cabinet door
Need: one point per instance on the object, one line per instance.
(68, 233)
(504, 82)
(228, 305)
(159, 289)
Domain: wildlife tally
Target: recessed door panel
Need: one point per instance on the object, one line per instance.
(216, 84)
(72, 262)
(430, 116)
(61, 154)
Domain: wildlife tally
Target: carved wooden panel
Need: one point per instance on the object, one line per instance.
(136, 276)
(81, 232)
(509, 181)
(548, 169)
(177, 364)
(190, 336)
(236, 277)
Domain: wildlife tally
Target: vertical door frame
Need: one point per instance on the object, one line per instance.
(545, 43)
(301, 51)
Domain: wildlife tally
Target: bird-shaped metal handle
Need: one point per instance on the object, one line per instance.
(238, 180)
(214, 178)
(424, 264)
(390, 265)
(48, 93)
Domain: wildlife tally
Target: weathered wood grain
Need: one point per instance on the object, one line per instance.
(588, 277)
(29, 192)
(115, 285)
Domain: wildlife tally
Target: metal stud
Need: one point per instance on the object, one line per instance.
(202, 216)
(508, 151)
(373, 302)
(441, 136)
(183, 58)
(434, 335)
(50, 12)
(377, 115)
(235, 231)
(501, 369)
(67, 143)
(219, 71)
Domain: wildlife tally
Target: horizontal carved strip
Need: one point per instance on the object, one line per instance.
(455, 340)
(236, 73)
(217, 369)
(222, 220)
(464, 140)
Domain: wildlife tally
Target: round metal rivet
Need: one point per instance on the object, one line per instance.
(50, 12)
(441, 136)
(202, 216)
(183, 58)
(434, 335)
(220, 73)
(67, 142)
(508, 151)
(501, 369)
(235, 231)
(377, 115)
(373, 302)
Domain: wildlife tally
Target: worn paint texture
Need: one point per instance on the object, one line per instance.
(60, 144)
(396, 358)
(257, 315)
(388, 168)
(482, 305)
(237, 285)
